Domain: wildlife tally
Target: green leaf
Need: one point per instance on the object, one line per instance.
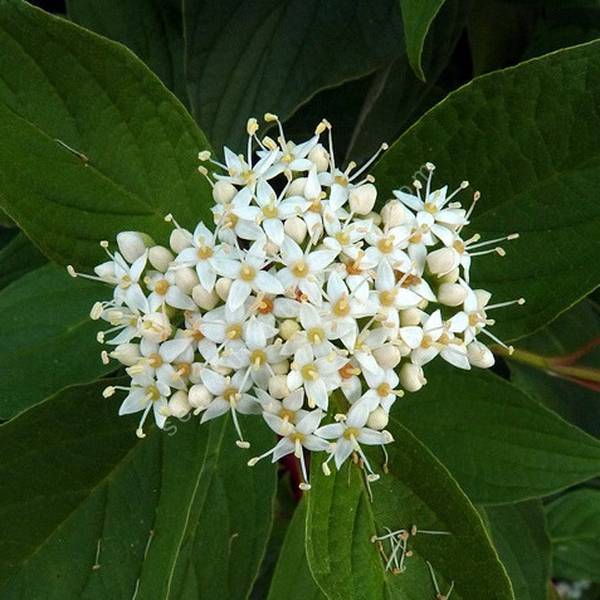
(153, 30)
(247, 57)
(498, 443)
(571, 331)
(417, 491)
(48, 338)
(519, 534)
(292, 578)
(172, 514)
(526, 137)
(93, 142)
(574, 528)
(417, 16)
(18, 257)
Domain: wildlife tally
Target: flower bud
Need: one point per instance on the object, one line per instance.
(296, 188)
(223, 192)
(278, 387)
(451, 277)
(179, 240)
(319, 157)
(106, 270)
(288, 329)
(362, 199)
(441, 261)
(412, 378)
(160, 258)
(378, 419)
(156, 327)
(179, 405)
(387, 356)
(127, 354)
(186, 279)
(222, 287)
(451, 294)
(199, 397)
(393, 213)
(410, 316)
(295, 227)
(480, 355)
(281, 368)
(204, 299)
(132, 244)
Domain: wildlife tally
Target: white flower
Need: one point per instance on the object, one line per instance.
(164, 291)
(350, 432)
(387, 246)
(201, 255)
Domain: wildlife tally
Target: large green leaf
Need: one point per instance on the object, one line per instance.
(246, 57)
(48, 340)
(519, 534)
(133, 147)
(153, 29)
(526, 137)
(574, 528)
(499, 444)
(417, 16)
(169, 515)
(572, 330)
(17, 257)
(292, 578)
(417, 491)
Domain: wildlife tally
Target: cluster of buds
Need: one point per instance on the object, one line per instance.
(302, 304)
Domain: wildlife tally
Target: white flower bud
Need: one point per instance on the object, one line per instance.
(393, 213)
(378, 419)
(278, 387)
(199, 397)
(156, 327)
(179, 405)
(179, 240)
(281, 368)
(451, 277)
(296, 188)
(441, 261)
(295, 227)
(362, 199)
(204, 299)
(127, 354)
(412, 377)
(480, 355)
(319, 157)
(132, 244)
(387, 356)
(186, 279)
(223, 192)
(106, 270)
(222, 287)
(288, 329)
(410, 316)
(160, 258)
(451, 294)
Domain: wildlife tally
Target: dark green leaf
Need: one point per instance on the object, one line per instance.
(292, 578)
(574, 528)
(102, 146)
(519, 534)
(246, 57)
(417, 16)
(526, 137)
(48, 338)
(173, 514)
(572, 330)
(499, 444)
(153, 29)
(18, 257)
(417, 491)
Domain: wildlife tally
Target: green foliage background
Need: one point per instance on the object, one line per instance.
(102, 114)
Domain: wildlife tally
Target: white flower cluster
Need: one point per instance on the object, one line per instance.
(302, 304)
